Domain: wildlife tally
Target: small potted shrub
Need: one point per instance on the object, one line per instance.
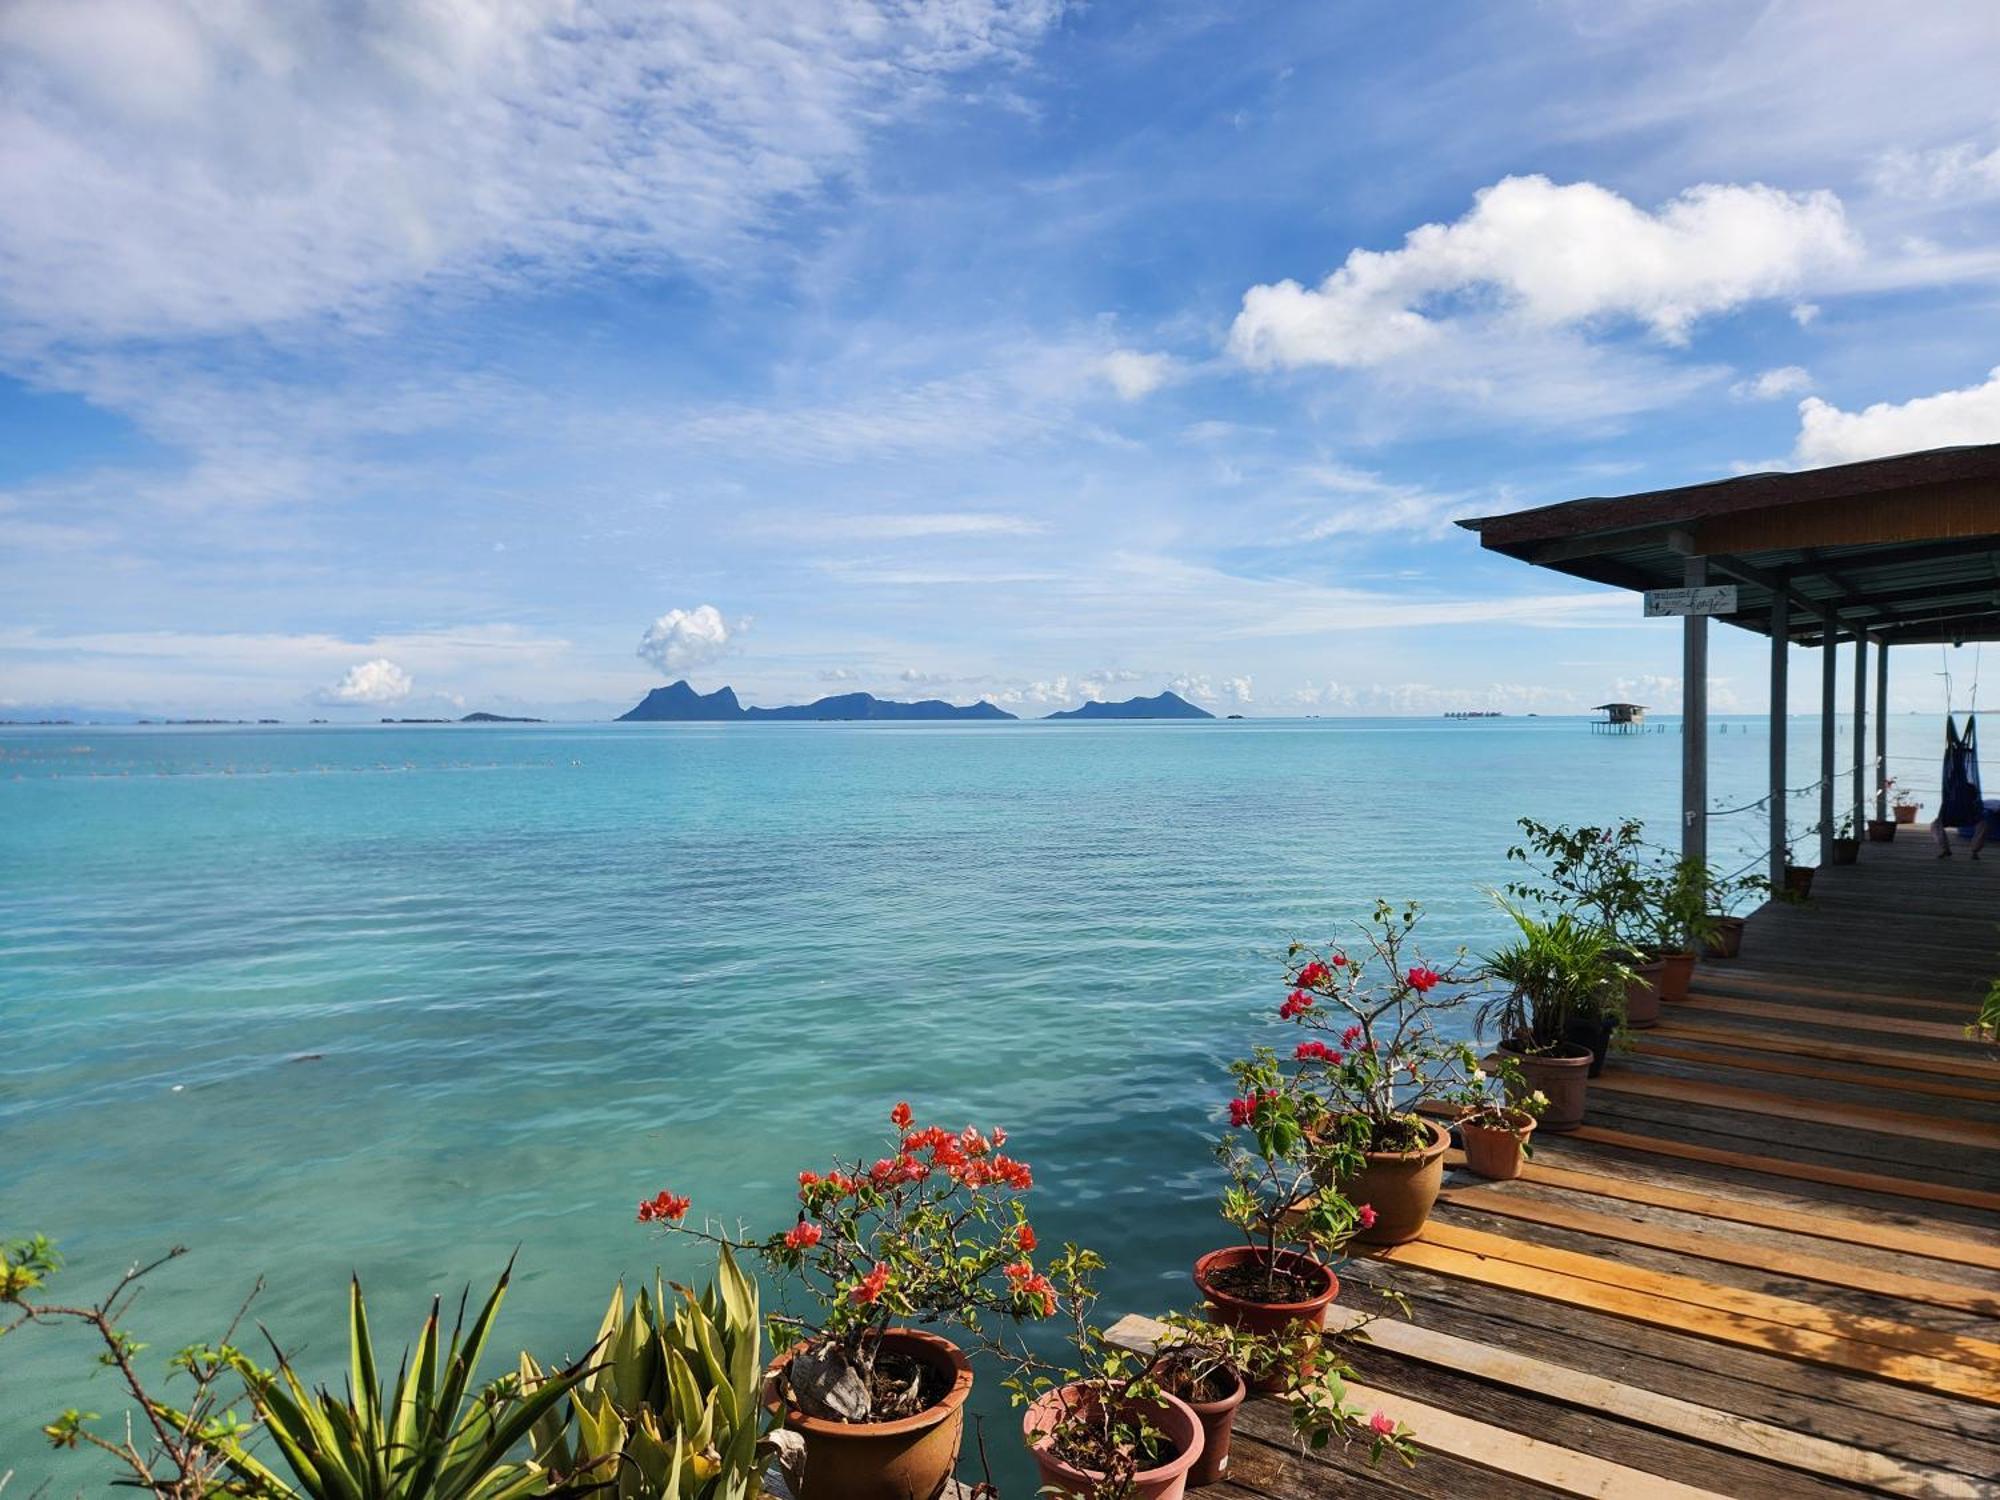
(1556, 972)
(1905, 807)
(1497, 1112)
(1798, 879)
(1846, 847)
(1277, 1281)
(1599, 874)
(1679, 925)
(1104, 1426)
(934, 1232)
(1375, 1054)
(1722, 932)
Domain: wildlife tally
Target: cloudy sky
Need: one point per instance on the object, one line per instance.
(385, 357)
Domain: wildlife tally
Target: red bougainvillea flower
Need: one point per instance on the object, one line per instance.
(900, 1116)
(1339, 960)
(1422, 980)
(1314, 973)
(1365, 1216)
(1024, 1236)
(1316, 1052)
(1296, 1002)
(1350, 1036)
(666, 1207)
(802, 1235)
(1382, 1424)
(1030, 1283)
(870, 1286)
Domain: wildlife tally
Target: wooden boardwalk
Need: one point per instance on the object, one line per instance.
(1768, 1265)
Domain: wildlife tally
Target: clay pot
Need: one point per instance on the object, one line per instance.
(1563, 1075)
(1798, 880)
(1846, 851)
(1906, 812)
(911, 1458)
(1676, 974)
(1401, 1186)
(1643, 993)
(1233, 1311)
(1175, 1419)
(1218, 1424)
(1495, 1151)
(1727, 940)
(1881, 830)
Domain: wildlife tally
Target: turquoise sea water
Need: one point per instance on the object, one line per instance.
(541, 971)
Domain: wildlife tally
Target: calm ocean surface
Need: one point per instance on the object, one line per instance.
(543, 970)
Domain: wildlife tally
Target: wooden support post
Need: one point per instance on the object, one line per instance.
(1781, 608)
(1694, 723)
(1882, 729)
(1860, 731)
(1829, 646)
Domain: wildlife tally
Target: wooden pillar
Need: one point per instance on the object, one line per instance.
(1882, 729)
(1694, 723)
(1780, 654)
(1860, 730)
(1829, 646)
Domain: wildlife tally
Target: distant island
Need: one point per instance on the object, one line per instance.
(478, 718)
(1164, 706)
(679, 703)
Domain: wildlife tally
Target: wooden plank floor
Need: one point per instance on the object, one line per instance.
(1768, 1265)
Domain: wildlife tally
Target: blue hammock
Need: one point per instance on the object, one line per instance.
(1960, 805)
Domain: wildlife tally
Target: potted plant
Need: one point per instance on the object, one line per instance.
(1599, 874)
(1846, 847)
(1798, 879)
(934, 1232)
(1679, 925)
(1557, 971)
(1278, 1281)
(1905, 807)
(1723, 935)
(1497, 1112)
(1104, 1426)
(1375, 1055)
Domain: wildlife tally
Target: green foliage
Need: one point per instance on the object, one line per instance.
(1558, 971)
(1595, 873)
(673, 1409)
(431, 1437)
(1985, 1026)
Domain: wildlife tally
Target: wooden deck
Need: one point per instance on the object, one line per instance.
(1767, 1265)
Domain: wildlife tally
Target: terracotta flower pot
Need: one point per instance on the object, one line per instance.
(1643, 992)
(1218, 1425)
(1846, 851)
(1233, 1310)
(1676, 974)
(1798, 880)
(911, 1458)
(1727, 940)
(1401, 1187)
(1563, 1075)
(1906, 812)
(1881, 830)
(1175, 1419)
(1497, 1151)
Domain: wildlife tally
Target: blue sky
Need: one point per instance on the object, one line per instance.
(363, 359)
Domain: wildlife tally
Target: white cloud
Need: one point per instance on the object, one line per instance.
(682, 639)
(378, 681)
(1805, 314)
(1828, 435)
(1958, 172)
(1376, 506)
(1549, 256)
(921, 524)
(1195, 685)
(1133, 374)
(1772, 385)
(1429, 698)
(172, 168)
(1238, 688)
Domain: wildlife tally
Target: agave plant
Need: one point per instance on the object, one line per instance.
(674, 1410)
(433, 1437)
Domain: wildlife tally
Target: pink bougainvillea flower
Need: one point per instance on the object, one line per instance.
(670, 1207)
(1382, 1424)
(901, 1116)
(869, 1288)
(802, 1235)
(1421, 979)
(1365, 1216)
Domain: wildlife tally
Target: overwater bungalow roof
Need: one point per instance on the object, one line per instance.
(1905, 549)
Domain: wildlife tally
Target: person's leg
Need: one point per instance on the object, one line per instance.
(1979, 838)
(1942, 835)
